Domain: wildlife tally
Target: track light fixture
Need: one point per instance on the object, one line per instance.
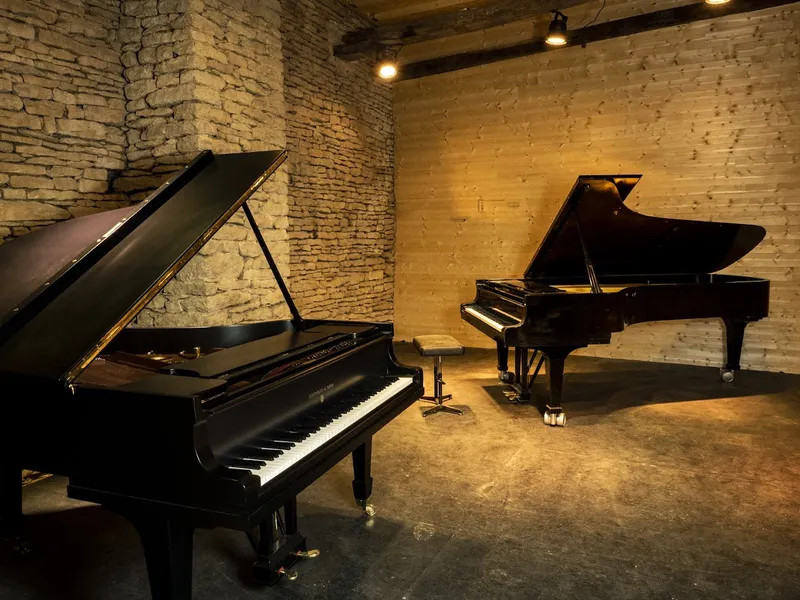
(387, 68)
(557, 34)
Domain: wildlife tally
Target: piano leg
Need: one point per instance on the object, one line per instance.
(167, 545)
(734, 338)
(555, 358)
(502, 363)
(362, 476)
(11, 507)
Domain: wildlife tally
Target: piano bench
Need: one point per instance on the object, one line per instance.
(438, 346)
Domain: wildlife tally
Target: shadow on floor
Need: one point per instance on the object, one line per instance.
(88, 553)
(597, 392)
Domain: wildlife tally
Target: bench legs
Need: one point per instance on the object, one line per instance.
(438, 397)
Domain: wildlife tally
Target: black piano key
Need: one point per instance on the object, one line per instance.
(303, 428)
(233, 461)
(284, 436)
(269, 443)
(259, 452)
(317, 418)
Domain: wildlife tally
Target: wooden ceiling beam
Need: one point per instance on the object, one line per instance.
(363, 42)
(661, 19)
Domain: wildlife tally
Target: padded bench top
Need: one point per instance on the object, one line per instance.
(438, 345)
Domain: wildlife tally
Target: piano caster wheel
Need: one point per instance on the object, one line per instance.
(288, 573)
(506, 377)
(558, 419)
(726, 375)
(370, 510)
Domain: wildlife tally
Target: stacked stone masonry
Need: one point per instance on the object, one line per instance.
(101, 100)
(62, 111)
(341, 194)
(208, 75)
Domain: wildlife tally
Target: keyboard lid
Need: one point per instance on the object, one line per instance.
(69, 288)
(621, 241)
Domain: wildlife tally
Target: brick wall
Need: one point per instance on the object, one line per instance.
(208, 75)
(708, 112)
(62, 111)
(101, 100)
(341, 169)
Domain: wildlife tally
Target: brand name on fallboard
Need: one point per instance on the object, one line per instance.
(320, 394)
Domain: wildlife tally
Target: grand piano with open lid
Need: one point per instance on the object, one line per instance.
(180, 428)
(602, 267)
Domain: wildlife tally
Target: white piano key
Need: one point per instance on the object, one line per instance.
(339, 425)
(484, 316)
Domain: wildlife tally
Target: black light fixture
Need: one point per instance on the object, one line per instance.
(387, 68)
(557, 34)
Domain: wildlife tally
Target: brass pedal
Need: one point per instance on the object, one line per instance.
(307, 553)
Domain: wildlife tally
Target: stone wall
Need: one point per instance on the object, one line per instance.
(208, 75)
(62, 111)
(708, 112)
(341, 168)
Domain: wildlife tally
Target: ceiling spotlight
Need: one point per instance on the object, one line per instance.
(717, 1)
(557, 34)
(387, 68)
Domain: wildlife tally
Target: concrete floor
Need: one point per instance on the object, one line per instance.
(665, 484)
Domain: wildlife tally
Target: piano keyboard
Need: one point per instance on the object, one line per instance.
(491, 319)
(275, 452)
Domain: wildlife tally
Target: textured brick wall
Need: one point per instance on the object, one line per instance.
(209, 75)
(62, 111)
(101, 100)
(339, 135)
(708, 112)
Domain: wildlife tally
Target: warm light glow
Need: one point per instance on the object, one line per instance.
(717, 1)
(557, 32)
(387, 70)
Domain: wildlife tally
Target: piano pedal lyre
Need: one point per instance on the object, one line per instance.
(279, 546)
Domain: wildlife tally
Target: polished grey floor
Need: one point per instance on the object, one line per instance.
(665, 484)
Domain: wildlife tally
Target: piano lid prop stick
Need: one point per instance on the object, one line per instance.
(596, 289)
(298, 320)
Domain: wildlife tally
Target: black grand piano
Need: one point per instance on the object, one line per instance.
(602, 267)
(177, 429)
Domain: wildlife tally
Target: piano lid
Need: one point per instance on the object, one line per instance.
(69, 288)
(621, 241)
